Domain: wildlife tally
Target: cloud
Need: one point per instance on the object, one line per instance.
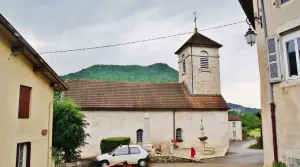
(60, 25)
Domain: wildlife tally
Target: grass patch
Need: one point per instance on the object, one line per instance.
(256, 146)
(255, 133)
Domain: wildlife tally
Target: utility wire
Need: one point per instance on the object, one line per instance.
(139, 41)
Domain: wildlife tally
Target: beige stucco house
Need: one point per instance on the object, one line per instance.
(175, 110)
(26, 95)
(277, 24)
(234, 128)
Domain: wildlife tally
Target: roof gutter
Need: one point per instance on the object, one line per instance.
(24, 43)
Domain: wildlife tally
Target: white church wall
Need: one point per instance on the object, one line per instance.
(105, 124)
(215, 128)
(237, 129)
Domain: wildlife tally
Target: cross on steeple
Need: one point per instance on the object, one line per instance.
(195, 20)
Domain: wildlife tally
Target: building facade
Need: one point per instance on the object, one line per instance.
(175, 109)
(235, 128)
(26, 95)
(277, 24)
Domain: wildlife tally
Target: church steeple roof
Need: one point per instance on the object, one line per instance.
(198, 39)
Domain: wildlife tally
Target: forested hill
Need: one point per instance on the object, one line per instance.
(153, 73)
(158, 72)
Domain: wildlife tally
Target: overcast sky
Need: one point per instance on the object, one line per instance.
(58, 25)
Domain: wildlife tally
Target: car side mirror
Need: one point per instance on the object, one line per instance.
(113, 154)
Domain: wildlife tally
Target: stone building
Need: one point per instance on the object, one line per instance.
(277, 25)
(175, 109)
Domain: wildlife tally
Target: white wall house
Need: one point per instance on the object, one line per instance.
(175, 109)
(234, 128)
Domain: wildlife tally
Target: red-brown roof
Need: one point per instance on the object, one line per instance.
(198, 39)
(96, 95)
(233, 118)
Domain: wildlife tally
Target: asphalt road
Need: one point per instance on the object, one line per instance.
(239, 155)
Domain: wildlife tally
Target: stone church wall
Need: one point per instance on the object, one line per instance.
(105, 124)
(215, 128)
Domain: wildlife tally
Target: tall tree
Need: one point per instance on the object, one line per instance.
(68, 129)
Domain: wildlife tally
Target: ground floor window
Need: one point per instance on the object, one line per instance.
(292, 54)
(179, 134)
(23, 154)
(234, 133)
(139, 136)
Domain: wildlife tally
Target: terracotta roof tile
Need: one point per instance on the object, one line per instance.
(139, 95)
(233, 118)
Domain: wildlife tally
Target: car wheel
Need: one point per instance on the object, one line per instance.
(142, 163)
(104, 163)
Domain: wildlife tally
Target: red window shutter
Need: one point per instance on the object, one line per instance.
(24, 102)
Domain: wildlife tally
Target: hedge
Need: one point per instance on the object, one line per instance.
(109, 144)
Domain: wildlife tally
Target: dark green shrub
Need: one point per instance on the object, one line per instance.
(278, 164)
(109, 144)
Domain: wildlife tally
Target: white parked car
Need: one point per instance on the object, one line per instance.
(133, 154)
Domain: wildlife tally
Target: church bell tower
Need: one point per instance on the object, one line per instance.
(198, 63)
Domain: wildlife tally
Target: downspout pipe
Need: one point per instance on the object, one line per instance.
(49, 127)
(272, 104)
(192, 66)
(174, 137)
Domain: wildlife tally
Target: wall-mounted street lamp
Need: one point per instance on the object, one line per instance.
(250, 35)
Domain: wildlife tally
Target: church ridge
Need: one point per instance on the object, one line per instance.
(198, 39)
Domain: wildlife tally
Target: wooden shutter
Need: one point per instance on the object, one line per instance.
(17, 156)
(24, 102)
(273, 59)
(28, 154)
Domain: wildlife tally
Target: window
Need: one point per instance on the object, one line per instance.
(23, 154)
(204, 63)
(183, 64)
(233, 124)
(139, 136)
(24, 102)
(122, 151)
(234, 133)
(179, 134)
(283, 1)
(134, 150)
(292, 54)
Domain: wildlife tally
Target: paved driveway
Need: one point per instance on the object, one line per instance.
(239, 155)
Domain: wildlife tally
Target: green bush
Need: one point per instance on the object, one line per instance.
(278, 164)
(255, 146)
(109, 144)
(258, 144)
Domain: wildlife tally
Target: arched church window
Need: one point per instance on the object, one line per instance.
(179, 134)
(139, 136)
(204, 63)
(183, 64)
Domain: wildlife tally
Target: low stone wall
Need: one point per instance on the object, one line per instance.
(171, 159)
(81, 163)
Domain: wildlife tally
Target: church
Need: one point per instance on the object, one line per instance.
(174, 110)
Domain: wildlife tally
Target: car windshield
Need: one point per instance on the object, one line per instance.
(113, 150)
